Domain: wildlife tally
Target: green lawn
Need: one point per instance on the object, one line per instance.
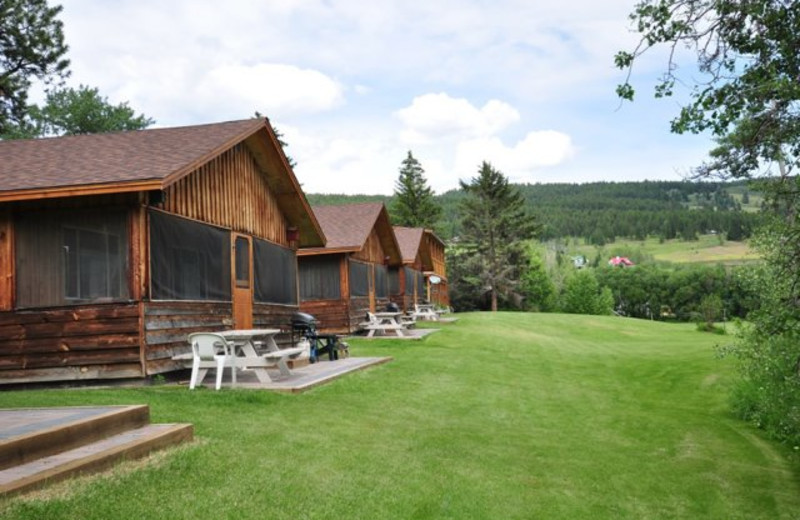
(494, 417)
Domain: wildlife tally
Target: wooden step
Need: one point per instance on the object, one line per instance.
(94, 456)
(30, 434)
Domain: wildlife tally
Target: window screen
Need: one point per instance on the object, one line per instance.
(359, 278)
(78, 257)
(275, 273)
(320, 277)
(381, 281)
(394, 281)
(242, 261)
(188, 260)
(410, 276)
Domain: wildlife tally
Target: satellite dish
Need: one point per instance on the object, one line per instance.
(435, 279)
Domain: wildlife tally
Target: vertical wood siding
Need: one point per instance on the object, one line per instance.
(6, 262)
(230, 191)
(372, 250)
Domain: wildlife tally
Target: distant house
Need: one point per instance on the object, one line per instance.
(423, 277)
(341, 282)
(114, 246)
(620, 261)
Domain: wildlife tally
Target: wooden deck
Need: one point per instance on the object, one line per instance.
(302, 378)
(43, 445)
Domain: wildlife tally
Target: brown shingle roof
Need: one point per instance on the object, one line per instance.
(348, 226)
(114, 158)
(146, 160)
(409, 240)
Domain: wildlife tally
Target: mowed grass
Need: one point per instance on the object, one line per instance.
(707, 249)
(496, 416)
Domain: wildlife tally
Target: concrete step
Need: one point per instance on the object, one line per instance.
(91, 457)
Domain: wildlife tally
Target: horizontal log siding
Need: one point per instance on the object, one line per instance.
(358, 311)
(332, 315)
(88, 342)
(230, 191)
(267, 316)
(167, 325)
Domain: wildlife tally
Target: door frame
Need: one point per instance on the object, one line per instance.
(242, 289)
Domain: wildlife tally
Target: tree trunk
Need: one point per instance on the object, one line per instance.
(494, 300)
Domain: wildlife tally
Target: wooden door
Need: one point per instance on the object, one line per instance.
(242, 273)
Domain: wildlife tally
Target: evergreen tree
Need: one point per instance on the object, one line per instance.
(414, 205)
(495, 225)
(31, 47)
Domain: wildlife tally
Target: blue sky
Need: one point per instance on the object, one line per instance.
(354, 85)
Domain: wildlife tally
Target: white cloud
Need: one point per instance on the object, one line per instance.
(437, 116)
(274, 89)
(518, 162)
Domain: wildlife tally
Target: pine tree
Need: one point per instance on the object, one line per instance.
(496, 224)
(31, 47)
(414, 205)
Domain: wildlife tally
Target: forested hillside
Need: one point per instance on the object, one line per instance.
(600, 212)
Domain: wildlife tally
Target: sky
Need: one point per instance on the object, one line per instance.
(355, 85)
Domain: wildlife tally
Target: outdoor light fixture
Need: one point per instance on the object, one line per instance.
(292, 234)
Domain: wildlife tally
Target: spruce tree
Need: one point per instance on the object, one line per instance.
(496, 224)
(414, 205)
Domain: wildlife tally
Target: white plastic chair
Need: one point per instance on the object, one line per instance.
(210, 350)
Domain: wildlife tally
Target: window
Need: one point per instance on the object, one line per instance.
(381, 275)
(275, 269)
(359, 278)
(242, 262)
(188, 260)
(410, 279)
(320, 277)
(394, 281)
(69, 258)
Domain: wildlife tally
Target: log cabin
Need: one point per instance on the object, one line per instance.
(422, 277)
(113, 247)
(341, 282)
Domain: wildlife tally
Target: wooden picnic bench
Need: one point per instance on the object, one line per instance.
(383, 322)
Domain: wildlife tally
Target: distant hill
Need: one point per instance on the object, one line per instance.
(602, 211)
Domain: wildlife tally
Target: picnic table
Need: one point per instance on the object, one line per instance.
(382, 322)
(246, 355)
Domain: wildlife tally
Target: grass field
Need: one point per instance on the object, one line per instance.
(494, 417)
(705, 250)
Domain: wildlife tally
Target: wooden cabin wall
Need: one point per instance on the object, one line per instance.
(6, 261)
(359, 307)
(230, 191)
(73, 343)
(437, 256)
(167, 324)
(332, 316)
(372, 250)
(267, 316)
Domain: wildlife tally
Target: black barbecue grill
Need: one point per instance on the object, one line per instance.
(305, 326)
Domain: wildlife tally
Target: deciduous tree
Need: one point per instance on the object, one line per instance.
(70, 111)
(747, 95)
